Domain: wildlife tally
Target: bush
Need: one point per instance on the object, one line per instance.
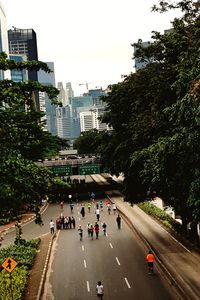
(160, 215)
(24, 256)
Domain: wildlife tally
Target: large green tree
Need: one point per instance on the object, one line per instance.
(155, 116)
(22, 139)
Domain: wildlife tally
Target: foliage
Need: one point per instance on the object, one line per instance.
(154, 114)
(24, 256)
(23, 140)
(12, 286)
(161, 215)
(87, 142)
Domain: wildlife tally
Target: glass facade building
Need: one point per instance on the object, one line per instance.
(3, 41)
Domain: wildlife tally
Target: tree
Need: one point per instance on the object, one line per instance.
(155, 117)
(22, 139)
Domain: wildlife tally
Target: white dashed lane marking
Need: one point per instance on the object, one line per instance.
(88, 286)
(117, 261)
(111, 246)
(127, 283)
(83, 248)
(85, 265)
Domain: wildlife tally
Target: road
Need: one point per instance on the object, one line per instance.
(118, 260)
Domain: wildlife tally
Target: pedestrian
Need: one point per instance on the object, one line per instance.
(71, 207)
(91, 231)
(114, 208)
(101, 205)
(66, 222)
(150, 260)
(73, 222)
(82, 211)
(89, 205)
(100, 290)
(80, 232)
(58, 223)
(61, 204)
(70, 222)
(51, 225)
(109, 208)
(118, 220)
(104, 226)
(96, 229)
(97, 212)
(88, 229)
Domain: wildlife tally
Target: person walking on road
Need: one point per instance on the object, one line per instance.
(82, 211)
(80, 232)
(51, 225)
(73, 222)
(109, 208)
(97, 212)
(114, 208)
(96, 229)
(71, 207)
(91, 231)
(150, 260)
(104, 226)
(118, 220)
(99, 290)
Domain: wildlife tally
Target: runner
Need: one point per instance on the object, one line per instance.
(118, 220)
(80, 232)
(99, 290)
(96, 229)
(150, 260)
(104, 228)
(51, 225)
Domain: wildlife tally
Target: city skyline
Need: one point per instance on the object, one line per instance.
(89, 42)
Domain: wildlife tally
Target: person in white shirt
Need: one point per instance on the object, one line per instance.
(97, 212)
(99, 290)
(51, 225)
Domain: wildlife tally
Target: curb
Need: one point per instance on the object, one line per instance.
(43, 277)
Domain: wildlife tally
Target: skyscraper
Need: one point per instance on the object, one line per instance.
(45, 104)
(24, 41)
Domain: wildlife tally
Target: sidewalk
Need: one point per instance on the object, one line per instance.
(181, 265)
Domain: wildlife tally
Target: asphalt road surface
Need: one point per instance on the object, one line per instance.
(117, 259)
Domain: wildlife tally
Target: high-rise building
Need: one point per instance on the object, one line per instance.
(24, 41)
(18, 75)
(45, 104)
(90, 119)
(64, 122)
(3, 41)
(139, 61)
(69, 93)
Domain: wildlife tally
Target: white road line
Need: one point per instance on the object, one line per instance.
(88, 286)
(126, 280)
(85, 265)
(83, 248)
(79, 219)
(117, 261)
(78, 213)
(111, 246)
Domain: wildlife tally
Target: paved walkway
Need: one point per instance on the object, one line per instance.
(180, 264)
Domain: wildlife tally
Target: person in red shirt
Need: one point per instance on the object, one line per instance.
(96, 229)
(150, 260)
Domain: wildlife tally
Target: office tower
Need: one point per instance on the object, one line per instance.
(3, 41)
(69, 93)
(64, 122)
(62, 95)
(45, 104)
(90, 119)
(18, 75)
(139, 62)
(24, 41)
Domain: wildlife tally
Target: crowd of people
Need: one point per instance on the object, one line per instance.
(64, 222)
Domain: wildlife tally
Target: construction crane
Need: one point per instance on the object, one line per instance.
(86, 84)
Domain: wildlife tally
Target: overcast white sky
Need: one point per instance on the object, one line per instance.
(88, 40)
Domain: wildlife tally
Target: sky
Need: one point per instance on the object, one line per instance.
(89, 41)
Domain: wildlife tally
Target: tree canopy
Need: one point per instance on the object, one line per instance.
(154, 114)
(23, 140)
